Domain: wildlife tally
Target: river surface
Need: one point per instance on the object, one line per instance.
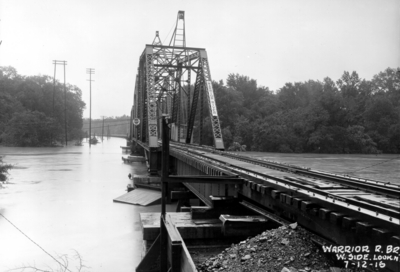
(62, 199)
(381, 167)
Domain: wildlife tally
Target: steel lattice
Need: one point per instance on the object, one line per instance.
(164, 86)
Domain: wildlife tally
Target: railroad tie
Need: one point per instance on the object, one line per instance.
(336, 218)
(363, 227)
(275, 194)
(289, 199)
(296, 202)
(324, 214)
(395, 240)
(381, 234)
(309, 207)
(349, 223)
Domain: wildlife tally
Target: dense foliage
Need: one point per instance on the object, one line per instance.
(4, 170)
(351, 115)
(27, 117)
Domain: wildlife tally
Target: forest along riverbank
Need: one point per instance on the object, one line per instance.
(62, 198)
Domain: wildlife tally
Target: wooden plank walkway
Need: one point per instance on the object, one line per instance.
(139, 196)
(188, 228)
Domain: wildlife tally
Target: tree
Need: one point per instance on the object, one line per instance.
(29, 128)
(34, 95)
(358, 141)
(381, 119)
(4, 170)
(229, 104)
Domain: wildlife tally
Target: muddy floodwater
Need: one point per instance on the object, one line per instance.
(59, 201)
(381, 167)
(62, 199)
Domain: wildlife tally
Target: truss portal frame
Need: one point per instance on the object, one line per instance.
(163, 86)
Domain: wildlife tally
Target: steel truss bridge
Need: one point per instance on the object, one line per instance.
(173, 97)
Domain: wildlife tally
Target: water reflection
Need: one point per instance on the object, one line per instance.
(62, 199)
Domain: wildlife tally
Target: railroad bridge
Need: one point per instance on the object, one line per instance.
(238, 196)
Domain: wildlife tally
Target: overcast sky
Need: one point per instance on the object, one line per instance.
(273, 42)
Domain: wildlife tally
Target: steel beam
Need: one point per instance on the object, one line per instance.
(151, 99)
(216, 128)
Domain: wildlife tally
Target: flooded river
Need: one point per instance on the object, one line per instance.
(59, 200)
(62, 199)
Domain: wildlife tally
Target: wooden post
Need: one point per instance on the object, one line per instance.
(164, 188)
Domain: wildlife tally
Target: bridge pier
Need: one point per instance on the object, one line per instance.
(154, 159)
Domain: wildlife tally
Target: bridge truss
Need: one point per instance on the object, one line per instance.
(174, 80)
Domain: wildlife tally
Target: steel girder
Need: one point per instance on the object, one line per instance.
(161, 87)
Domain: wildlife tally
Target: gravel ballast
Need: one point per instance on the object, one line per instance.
(286, 249)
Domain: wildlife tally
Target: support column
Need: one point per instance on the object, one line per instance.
(151, 112)
(164, 189)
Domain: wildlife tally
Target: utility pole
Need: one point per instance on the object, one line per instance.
(54, 91)
(54, 83)
(102, 130)
(90, 71)
(62, 62)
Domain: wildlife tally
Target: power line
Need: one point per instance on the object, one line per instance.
(66, 268)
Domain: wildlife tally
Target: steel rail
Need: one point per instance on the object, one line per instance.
(364, 184)
(374, 186)
(296, 185)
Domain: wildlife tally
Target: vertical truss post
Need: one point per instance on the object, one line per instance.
(188, 104)
(142, 98)
(201, 116)
(179, 99)
(176, 98)
(151, 134)
(137, 107)
(130, 125)
(151, 99)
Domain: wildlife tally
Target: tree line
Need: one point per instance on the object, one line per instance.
(32, 110)
(114, 125)
(351, 115)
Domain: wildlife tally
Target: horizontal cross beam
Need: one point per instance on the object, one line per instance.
(175, 66)
(174, 47)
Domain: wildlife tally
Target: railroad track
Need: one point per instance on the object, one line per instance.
(368, 185)
(374, 198)
(380, 187)
(343, 209)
